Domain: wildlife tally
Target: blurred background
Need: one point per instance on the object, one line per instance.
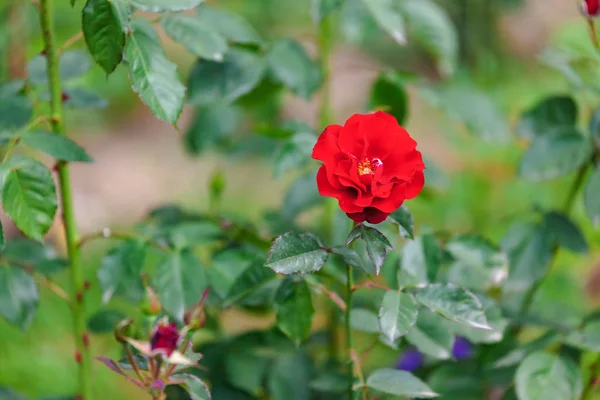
(141, 163)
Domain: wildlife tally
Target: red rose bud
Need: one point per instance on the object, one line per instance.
(165, 337)
(64, 97)
(591, 7)
(370, 165)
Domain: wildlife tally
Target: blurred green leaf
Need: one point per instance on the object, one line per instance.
(58, 146)
(18, 296)
(399, 383)
(420, 261)
(245, 369)
(548, 115)
(352, 258)
(322, 8)
(544, 376)
(165, 5)
(388, 18)
(249, 281)
(565, 232)
(364, 320)
(405, 221)
(15, 113)
(154, 78)
(83, 98)
(389, 94)
(72, 64)
(211, 126)
(397, 314)
(452, 382)
(292, 66)
(11, 88)
(197, 389)
(120, 271)
(9, 394)
(514, 357)
(301, 196)
(495, 320)
(105, 321)
(431, 336)
(294, 153)
(179, 281)
(431, 27)
(195, 36)
(296, 253)
(591, 196)
(289, 377)
(377, 244)
(294, 309)
(454, 303)
(235, 28)
(103, 33)
(24, 251)
(332, 382)
(29, 196)
(555, 155)
(587, 338)
(213, 82)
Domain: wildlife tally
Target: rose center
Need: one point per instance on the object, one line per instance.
(369, 166)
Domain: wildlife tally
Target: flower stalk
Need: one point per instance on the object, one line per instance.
(68, 207)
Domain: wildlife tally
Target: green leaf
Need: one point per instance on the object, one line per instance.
(105, 321)
(454, 303)
(213, 82)
(103, 33)
(18, 296)
(429, 25)
(322, 8)
(248, 282)
(195, 36)
(388, 18)
(364, 320)
(72, 64)
(294, 153)
(294, 309)
(196, 388)
(235, 28)
(2, 240)
(296, 253)
(453, 382)
(398, 313)
(58, 146)
(405, 221)
(24, 251)
(120, 271)
(11, 88)
(555, 155)
(179, 281)
(420, 261)
(495, 320)
(289, 377)
(591, 196)
(122, 10)
(15, 113)
(389, 94)
(165, 5)
(399, 383)
(351, 257)
(292, 66)
(29, 197)
(83, 98)
(544, 376)
(478, 263)
(153, 76)
(211, 126)
(9, 394)
(587, 338)
(377, 244)
(302, 195)
(548, 115)
(529, 248)
(565, 232)
(431, 336)
(246, 369)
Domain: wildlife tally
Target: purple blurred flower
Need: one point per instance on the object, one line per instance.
(462, 348)
(410, 360)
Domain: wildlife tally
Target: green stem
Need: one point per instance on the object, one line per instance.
(588, 391)
(575, 187)
(349, 292)
(68, 209)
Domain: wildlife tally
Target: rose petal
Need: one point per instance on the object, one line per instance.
(327, 146)
(415, 186)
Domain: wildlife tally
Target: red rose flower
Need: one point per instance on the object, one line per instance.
(370, 165)
(165, 337)
(591, 7)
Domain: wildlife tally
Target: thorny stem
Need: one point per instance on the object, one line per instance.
(108, 234)
(349, 349)
(363, 385)
(68, 208)
(134, 365)
(572, 195)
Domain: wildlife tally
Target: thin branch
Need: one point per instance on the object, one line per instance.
(133, 363)
(593, 34)
(358, 369)
(370, 284)
(70, 42)
(332, 295)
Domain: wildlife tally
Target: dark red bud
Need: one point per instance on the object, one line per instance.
(591, 7)
(165, 337)
(78, 357)
(64, 97)
(86, 285)
(79, 297)
(85, 338)
(43, 52)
